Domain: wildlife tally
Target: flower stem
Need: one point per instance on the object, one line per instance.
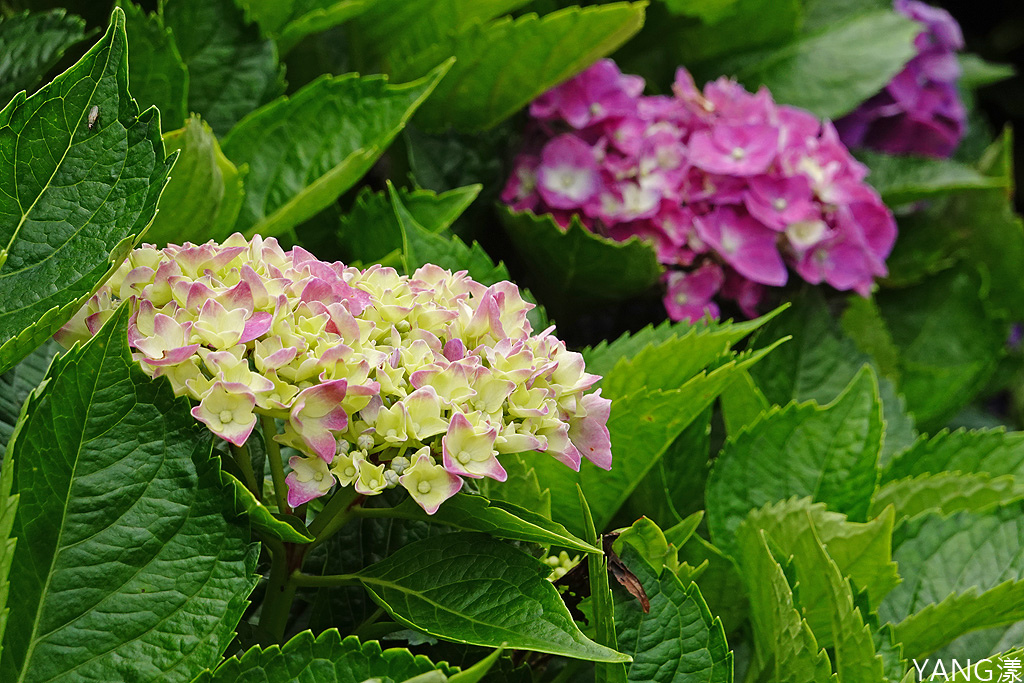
(325, 581)
(244, 460)
(277, 603)
(276, 466)
(339, 510)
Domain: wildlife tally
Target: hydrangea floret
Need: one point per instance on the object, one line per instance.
(920, 110)
(732, 189)
(380, 380)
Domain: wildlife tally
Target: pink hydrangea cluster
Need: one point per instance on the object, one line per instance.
(381, 380)
(728, 186)
(919, 111)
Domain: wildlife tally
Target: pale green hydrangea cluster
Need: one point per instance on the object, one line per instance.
(381, 380)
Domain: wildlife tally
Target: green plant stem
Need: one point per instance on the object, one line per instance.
(325, 581)
(244, 460)
(276, 466)
(277, 603)
(336, 514)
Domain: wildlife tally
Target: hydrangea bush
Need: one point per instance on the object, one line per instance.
(919, 111)
(730, 187)
(274, 408)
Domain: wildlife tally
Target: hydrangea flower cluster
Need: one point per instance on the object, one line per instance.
(728, 186)
(381, 380)
(919, 111)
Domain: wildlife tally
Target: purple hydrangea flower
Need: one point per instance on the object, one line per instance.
(731, 189)
(919, 111)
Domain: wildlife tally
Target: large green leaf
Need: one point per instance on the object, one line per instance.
(425, 23)
(502, 65)
(232, 68)
(8, 509)
(986, 451)
(945, 492)
(289, 21)
(303, 151)
(157, 74)
(128, 564)
(471, 588)
(642, 426)
(498, 518)
(678, 640)
(326, 658)
(948, 342)
(829, 453)
(785, 649)
(960, 573)
(902, 179)
(823, 358)
(204, 195)
(17, 383)
(31, 44)
(861, 551)
(73, 198)
(579, 264)
(834, 70)
(825, 592)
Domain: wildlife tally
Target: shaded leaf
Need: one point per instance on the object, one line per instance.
(157, 74)
(31, 44)
(232, 68)
(902, 179)
(289, 21)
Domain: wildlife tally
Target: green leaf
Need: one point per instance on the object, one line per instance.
(678, 641)
(432, 23)
(422, 246)
(473, 589)
(945, 492)
(948, 343)
(105, 455)
(289, 21)
(8, 544)
(977, 582)
(709, 11)
(861, 552)
(785, 648)
(829, 453)
(502, 65)
(642, 425)
(986, 451)
(498, 518)
(69, 214)
(602, 611)
(823, 13)
(522, 488)
(742, 403)
(157, 74)
(822, 359)
(976, 72)
(303, 151)
(576, 263)
(17, 383)
(204, 195)
(370, 231)
(232, 68)
(719, 580)
(904, 179)
(285, 528)
(31, 44)
(993, 666)
(831, 596)
(326, 658)
(834, 70)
